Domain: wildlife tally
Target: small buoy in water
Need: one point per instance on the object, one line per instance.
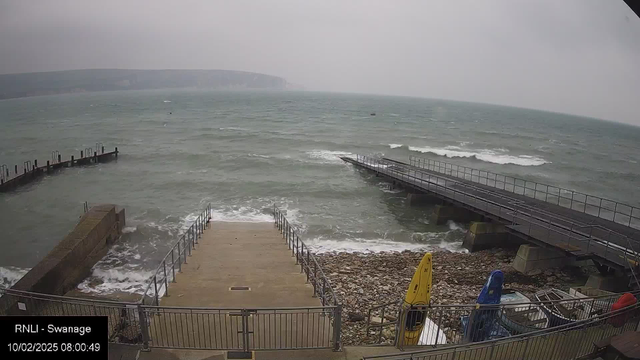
(165, 124)
(170, 113)
(373, 114)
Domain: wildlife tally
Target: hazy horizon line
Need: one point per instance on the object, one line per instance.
(320, 91)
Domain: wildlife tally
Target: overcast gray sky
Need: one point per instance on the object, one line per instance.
(574, 56)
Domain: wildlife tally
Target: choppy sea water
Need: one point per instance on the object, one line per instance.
(245, 151)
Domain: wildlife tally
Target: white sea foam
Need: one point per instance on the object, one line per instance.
(9, 275)
(455, 246)
(493, 156)
(395, 146)
(328, 156)
(453, 226)
(240, 214)
(260, 156)
(394, 115)
(129, 229)
(321, 245)
(166, 101)
(116, 280)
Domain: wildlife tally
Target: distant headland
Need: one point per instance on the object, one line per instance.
(74, 81)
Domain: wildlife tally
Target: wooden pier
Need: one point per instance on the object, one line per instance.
(12, 178)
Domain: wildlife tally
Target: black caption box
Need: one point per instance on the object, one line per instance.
(48, 337)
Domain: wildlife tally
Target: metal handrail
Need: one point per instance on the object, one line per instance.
(66, 299)
(578, 325)
(510, 213)
(538, 188)
(175, 257)
(601, 303)
(308, 263)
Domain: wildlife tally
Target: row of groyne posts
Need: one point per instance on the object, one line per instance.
(10, 178)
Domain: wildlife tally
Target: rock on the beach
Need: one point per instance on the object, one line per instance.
(365, 280)
(355, 317)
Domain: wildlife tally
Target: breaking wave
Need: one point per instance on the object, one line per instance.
(9, 275)
(496, 156)
(328, 156)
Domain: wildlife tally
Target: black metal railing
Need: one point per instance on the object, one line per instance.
(165, 273)
(243, 329)
(593, 205)
(313, 271)
(307, 261)
(458, 324)
(543, 226)
(124, 319)
(568, 341)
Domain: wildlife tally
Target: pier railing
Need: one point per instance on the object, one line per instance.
(565, 342)
(543, 226)
(171, 264)
(593, 205)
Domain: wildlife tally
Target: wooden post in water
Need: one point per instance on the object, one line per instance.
(16, 170)
(95, 157)
(59, 158)
(48, 166)
(71, 160)
(35, 163)
(81, 154)
(103, 149)
(116, 152)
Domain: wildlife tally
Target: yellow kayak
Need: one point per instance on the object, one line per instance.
(419, 293)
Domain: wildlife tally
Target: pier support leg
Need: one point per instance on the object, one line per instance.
(422, 199)
(484, 235)
(531, 259)
(443, 213)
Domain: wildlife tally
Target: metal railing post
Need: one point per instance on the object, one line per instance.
(173, 267)
(315, 279)
(179, 259)
(143, 328)
(166, 285)
(308, 267)
(155, 285)
(184, 248)
(337, 327)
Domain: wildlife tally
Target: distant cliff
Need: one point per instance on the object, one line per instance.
(72, 81)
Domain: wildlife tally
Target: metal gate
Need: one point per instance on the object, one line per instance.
(242, 329)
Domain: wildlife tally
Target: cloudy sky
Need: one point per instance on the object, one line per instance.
(573, 56)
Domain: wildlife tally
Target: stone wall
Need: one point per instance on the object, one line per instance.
(70, 262)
